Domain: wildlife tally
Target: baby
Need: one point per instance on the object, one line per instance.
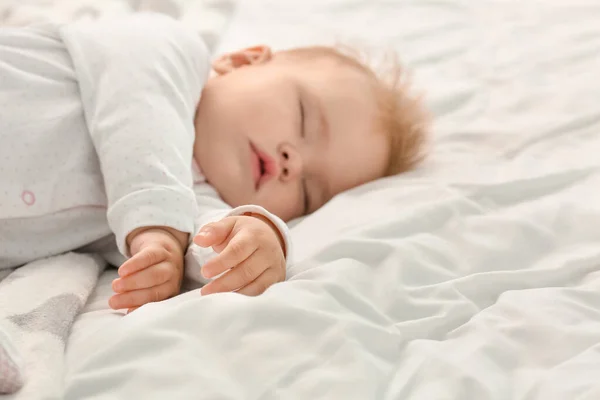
(114, 140)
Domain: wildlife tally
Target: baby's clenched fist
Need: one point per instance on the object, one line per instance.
(153, 273)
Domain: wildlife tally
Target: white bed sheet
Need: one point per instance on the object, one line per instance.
(475, 277)
(208, 17)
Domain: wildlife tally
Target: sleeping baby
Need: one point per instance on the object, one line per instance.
(115, 141)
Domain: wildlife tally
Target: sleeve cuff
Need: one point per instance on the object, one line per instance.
(151, 207)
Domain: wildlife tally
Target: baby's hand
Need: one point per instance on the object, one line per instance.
(247, 245)
(153, 273)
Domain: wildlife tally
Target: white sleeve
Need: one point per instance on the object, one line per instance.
(212, 209)
(140, 80)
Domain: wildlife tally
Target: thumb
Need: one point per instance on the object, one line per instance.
(215, 234)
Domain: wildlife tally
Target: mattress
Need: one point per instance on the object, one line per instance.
(476, 276)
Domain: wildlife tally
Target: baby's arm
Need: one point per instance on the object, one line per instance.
(140, 81)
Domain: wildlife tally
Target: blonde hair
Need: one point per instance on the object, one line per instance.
(402, 115)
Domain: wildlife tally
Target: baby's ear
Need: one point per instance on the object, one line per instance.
(249, 56)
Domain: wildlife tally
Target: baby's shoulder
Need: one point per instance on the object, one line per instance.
(161, 28)
(139, 34)
(147, 41)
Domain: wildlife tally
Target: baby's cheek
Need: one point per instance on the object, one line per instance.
(284, 204)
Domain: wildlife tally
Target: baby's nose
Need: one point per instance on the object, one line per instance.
(291, 163)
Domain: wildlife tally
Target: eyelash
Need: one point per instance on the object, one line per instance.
(302, 134)
(302, 119)
(306, 205)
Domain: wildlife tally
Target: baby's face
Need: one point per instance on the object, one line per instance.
(287, 133)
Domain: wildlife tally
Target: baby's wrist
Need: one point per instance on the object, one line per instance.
(170, 237)
(273, 227)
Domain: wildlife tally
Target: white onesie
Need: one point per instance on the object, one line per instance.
(96, 138)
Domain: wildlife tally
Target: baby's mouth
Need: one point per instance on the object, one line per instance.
(258, 166)
(263, 166)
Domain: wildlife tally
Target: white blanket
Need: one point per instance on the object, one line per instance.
(38, 304)
(476, 277)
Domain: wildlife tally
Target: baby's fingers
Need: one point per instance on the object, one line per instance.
(241, 275)
(241, 247)
(262, 283)
(140, 297)
(215, 233)
(143, 259)
(152, 276)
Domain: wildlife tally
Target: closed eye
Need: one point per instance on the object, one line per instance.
(306, 198)
(302, 133)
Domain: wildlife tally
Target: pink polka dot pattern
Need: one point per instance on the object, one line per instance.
(28, 197)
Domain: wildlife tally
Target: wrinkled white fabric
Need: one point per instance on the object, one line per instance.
(476, 277)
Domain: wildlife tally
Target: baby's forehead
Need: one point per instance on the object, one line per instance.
(330, 71)
(319, 55)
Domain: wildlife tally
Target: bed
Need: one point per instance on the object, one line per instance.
(476, 276)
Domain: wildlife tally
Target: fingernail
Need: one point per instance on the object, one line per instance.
(204, 273)
(116, 284)
(206, 231)
(112, 302)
